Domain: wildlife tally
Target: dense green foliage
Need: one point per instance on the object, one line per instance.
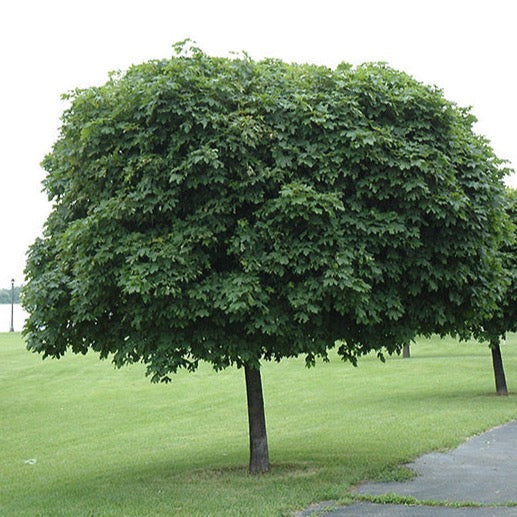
(108, 443)
(6, 295)
(234, 211)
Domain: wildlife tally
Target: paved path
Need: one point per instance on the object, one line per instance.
(395, 510)
(481, 470)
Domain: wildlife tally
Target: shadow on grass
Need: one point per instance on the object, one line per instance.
(278, 471)
(125, 476)
(163, 488)
(416, 356)
(452, 393)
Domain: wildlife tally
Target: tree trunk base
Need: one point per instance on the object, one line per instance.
(497, 362)
(259, 452)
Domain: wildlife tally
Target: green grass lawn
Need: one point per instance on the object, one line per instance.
(109, 443)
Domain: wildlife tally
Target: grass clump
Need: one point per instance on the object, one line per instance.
(107, 442)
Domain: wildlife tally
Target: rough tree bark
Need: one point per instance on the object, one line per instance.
(406, 352)
(497, 361)
(259, 452)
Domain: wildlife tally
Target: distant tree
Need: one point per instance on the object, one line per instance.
(6, 295)
(505, 318)
(233, 211)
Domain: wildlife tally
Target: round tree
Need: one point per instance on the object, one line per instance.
(504, 318)
(233, 211)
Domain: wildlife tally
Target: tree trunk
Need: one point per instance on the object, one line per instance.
(497, 361)
(406, 353)
(259, 453)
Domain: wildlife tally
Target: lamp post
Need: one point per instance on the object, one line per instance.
(12, 306)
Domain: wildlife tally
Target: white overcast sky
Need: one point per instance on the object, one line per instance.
(47, 47)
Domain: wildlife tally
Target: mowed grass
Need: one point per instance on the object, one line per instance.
(107, 442)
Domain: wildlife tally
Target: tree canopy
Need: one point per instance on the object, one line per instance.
(233, 211)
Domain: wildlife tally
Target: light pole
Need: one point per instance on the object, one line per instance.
(12, 306)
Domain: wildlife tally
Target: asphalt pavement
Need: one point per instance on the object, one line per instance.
(482, 470)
